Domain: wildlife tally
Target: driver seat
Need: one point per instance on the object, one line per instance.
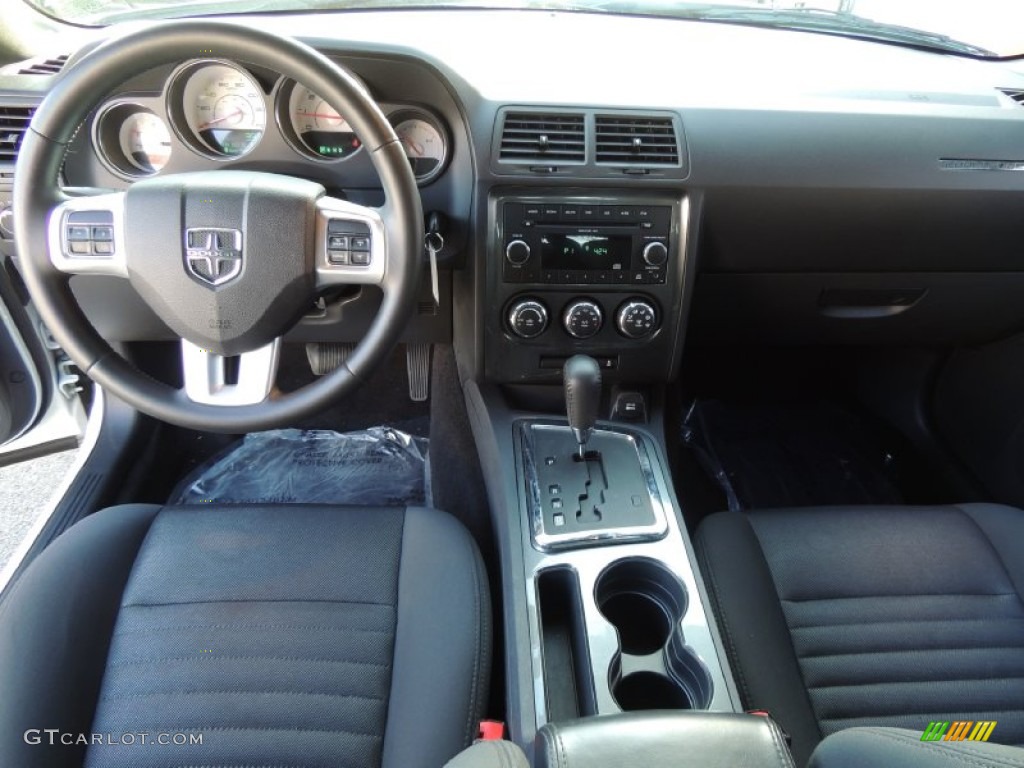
(274, 635)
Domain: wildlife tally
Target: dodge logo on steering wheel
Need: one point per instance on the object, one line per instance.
(213, 256)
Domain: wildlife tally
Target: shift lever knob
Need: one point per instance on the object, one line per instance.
(582, 379)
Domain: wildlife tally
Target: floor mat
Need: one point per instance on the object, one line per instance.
(379, 466)
(771, 456)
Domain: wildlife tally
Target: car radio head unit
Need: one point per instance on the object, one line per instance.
(559, 241)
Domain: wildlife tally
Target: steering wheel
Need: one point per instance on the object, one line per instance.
(229, 260)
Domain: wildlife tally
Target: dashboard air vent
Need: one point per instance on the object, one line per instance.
(13, 124)
(529, 137)
(1016, 95)
(44, 66)
(636, 140)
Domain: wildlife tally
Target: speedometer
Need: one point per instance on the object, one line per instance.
(320, 129)
(223, 108)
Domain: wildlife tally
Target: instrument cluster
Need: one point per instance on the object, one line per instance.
(221, 111)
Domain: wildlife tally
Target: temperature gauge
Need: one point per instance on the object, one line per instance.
(424, 142)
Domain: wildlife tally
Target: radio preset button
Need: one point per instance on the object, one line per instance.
(528, 318)
(517, 252)
(582, 319)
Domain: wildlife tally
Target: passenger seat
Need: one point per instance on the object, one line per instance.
(872, 616)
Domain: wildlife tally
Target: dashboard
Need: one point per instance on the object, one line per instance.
(815, 189)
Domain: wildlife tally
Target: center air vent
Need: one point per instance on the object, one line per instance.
(44, 66)
(13, 124)
(636, 140)
(529, 137)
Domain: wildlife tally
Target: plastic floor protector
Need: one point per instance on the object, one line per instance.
(769, 456)
(377, 467)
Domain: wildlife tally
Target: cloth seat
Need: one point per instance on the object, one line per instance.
(276, 635)
(872, 616)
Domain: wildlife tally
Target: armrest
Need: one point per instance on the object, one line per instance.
(872, 747)
(664, 740)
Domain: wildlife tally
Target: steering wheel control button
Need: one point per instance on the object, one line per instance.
(528, 318)
(636, 319)
(360, 259)
(341, 258)
(582, 319)
(349, 243)
(337, 242)
(89, 233)
(359, 243)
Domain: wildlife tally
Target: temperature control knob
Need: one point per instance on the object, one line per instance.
(517, 252)
(582, 319)
(636, 319)
(655, 254)
(528, 318)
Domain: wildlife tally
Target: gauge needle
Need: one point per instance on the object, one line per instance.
(321, 114)
(236, 113)
(413, 146)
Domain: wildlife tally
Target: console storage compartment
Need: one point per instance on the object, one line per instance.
(664, 740)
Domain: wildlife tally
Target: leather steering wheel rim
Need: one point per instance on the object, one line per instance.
(37, 193)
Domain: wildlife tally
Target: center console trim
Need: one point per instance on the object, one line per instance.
(549, 542)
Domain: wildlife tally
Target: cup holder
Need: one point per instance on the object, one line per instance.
(654, 668)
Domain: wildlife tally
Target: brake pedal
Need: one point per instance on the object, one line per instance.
(325, 356)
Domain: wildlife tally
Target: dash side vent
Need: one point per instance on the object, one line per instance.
(627, 140)
(44, 66)
(529, 137)
(1015, 94)
(13, 124)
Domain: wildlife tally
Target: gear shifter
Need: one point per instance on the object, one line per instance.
(581, 377)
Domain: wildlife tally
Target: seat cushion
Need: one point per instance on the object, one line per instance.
(888, 616)
(295, 635)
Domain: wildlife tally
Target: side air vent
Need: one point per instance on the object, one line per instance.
(529, 137)
(44, 66)
(1016, 95)
(13, 124)
(624, 140)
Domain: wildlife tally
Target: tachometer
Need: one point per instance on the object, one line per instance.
(424, 142)
(223, 107)
(319, 128)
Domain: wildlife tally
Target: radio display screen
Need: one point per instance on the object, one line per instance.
(585, 252)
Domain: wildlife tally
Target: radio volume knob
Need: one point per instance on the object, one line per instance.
(582, 319)
(655, 254)
(528, 318)
(636, 319)
(517, 252)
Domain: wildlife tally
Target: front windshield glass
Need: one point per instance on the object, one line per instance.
(989, 28)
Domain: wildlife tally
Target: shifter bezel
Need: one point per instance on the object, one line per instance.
(644, 521)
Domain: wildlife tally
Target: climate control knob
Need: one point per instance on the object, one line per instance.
(517, 252)
(528, 318)
(636, 319)
(655, 254)
(582, 318)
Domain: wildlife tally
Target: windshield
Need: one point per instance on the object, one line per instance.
(988, 28)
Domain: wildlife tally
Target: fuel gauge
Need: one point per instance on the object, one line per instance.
(132, 140)
(424, 141)
(145, 141)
